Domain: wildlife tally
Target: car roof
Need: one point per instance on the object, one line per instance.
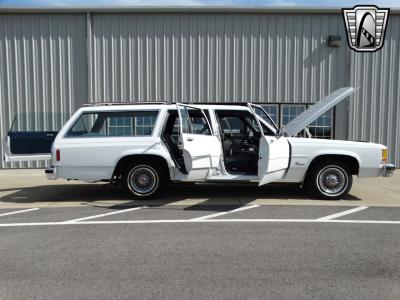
(158, 106)
(155, 106)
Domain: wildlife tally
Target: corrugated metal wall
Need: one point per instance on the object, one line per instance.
(375, 108)
(42, 67)
(216, 57)
(55, 62)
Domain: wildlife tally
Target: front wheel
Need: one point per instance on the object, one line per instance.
(143, 180)
(329, 179)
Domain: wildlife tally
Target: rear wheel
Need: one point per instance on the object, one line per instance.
(329, 179)
(144, 179)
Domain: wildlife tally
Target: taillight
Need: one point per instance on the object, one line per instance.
(58, 155)
(384, 155)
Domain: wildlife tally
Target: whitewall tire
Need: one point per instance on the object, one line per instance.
(329, 179)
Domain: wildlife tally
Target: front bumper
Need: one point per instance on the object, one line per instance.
(388, 170)
(51, 173)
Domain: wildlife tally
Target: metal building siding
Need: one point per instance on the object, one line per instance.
(42, 67)
(55, 61)
(216, 57)
(375, 108)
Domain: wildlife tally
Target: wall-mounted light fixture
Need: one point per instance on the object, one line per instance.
(335, 41)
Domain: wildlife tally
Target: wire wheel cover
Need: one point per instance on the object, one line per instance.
(143, 180)
(332, 180)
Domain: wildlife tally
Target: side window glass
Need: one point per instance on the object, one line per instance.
(38, 122)
(271, 110)
(144, 124)
(84, 125)
(185, 119)
(119, 126)
(199, 123)
(194, 121)
(266, 130)
(126, 123)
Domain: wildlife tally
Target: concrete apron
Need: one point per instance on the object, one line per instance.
(26, 188)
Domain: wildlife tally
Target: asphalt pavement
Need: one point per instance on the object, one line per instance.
(69, 240)
(200, 252)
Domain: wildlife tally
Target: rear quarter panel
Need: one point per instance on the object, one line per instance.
(94, 158)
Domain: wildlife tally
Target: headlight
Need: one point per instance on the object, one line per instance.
(384, 155)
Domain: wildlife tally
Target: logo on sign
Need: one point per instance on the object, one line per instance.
(365, 27)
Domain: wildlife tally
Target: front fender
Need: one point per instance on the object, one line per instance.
(300, 163)
(335, 152)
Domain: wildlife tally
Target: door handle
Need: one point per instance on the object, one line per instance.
(189, 139)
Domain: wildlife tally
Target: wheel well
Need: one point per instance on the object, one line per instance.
(124, 161)
(350, 161)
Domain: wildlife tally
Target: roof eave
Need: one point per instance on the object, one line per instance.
(177, 9)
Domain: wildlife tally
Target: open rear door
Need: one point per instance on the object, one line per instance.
(31, 137)
(274, 155)
(201, 148)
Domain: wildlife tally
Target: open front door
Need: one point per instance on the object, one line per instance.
(273, 159)
(201, 148)
(274, 155)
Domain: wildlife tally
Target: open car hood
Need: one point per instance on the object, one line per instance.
(316, 110)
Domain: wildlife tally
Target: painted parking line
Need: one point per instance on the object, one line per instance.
(18, 212)
(343, 213)
(104, 215)
(225, 212)
(220, 221)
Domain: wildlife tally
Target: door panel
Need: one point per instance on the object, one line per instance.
(24, 143)
(274, 159)
(32, 134)
(28, 146)
(274, 155)
(22, 155)
(201, 149)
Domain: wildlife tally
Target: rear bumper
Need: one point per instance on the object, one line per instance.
(51, 173)
(388, 170)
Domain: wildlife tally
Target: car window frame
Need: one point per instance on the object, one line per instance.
(186, 106)
(153, 133)
(247, 110)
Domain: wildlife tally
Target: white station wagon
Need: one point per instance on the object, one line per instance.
(144, 146)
